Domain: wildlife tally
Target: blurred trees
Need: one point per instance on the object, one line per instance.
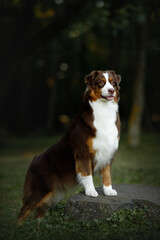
(48, 46)
(135, 119)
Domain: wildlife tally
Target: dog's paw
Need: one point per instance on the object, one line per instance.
(109, 191)
(91, 193)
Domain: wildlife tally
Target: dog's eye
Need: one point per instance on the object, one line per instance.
(100, 83)
(113, 83)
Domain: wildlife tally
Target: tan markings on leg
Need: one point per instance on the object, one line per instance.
(91, 151)
(90, 145)
(84, 162)
(45, 199)
(23, 217)
(28, 209)
(84, 168)
(106, 174)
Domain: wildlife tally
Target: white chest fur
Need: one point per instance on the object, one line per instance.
(106, 141)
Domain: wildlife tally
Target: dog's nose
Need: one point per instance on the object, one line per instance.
(111, 90)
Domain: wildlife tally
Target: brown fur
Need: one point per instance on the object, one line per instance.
(54, 170)
(106, 174)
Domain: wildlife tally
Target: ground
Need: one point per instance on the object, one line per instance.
(140, 165)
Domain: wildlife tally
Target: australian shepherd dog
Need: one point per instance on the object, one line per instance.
(87, 147)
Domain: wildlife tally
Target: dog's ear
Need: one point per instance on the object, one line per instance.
(90, 78)
(118, 78)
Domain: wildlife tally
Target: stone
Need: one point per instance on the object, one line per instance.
(129, 196)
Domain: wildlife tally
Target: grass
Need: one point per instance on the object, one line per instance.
(139, 165)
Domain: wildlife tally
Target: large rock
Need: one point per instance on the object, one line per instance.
(129, 196)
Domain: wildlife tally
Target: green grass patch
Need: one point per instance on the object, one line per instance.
(140, 166)
(129, 224)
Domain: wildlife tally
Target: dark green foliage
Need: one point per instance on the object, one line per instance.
(130, 224)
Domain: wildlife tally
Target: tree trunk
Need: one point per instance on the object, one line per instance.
(134, 126)
(55, 60)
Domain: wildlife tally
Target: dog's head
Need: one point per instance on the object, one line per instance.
(103, 85)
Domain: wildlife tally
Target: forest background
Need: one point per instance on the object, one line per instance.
(47, 47)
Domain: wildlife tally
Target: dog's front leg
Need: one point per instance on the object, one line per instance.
(106, 178)
(87, 183)
(84, 177)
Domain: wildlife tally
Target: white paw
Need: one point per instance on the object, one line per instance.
(109, 191)
(91, 193)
